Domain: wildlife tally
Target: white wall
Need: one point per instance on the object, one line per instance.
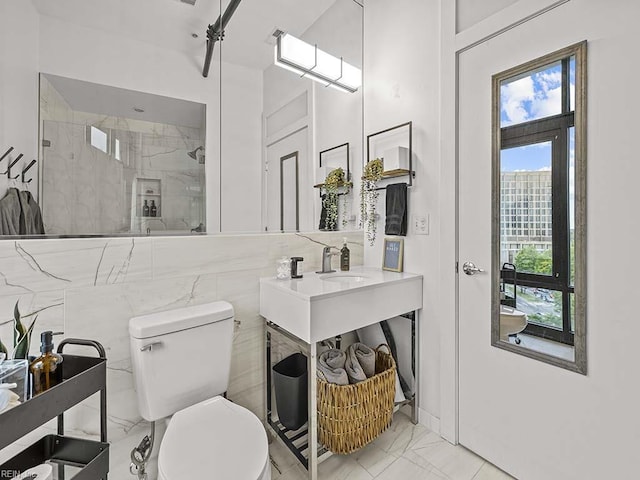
(402, 84)
(18, 87)
(470, 12)
(241, 169)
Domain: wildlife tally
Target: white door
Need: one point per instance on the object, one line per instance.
(286, 202)
(511, 408)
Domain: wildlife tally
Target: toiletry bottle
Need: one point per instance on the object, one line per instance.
(47, 368)
(145, 209)
(154, 209)
(344, 256)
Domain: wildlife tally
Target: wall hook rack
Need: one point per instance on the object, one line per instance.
(24, 170)
(6, 153)
(8, 172)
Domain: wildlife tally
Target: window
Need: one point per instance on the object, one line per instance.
(535, 119)
(98, 138)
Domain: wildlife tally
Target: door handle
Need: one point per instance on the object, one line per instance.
(470, 268)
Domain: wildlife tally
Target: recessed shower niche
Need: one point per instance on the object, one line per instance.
(116, 161)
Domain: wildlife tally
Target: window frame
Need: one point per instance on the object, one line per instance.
(553, 129)
(522, 134)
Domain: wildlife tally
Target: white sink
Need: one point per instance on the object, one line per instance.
(320, 306)
(341, 277)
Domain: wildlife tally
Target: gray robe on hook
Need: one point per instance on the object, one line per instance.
(20, 214)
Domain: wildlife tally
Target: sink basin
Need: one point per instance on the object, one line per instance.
(316, 307)
(343, 278)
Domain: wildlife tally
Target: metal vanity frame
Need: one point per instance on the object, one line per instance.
(295, 440)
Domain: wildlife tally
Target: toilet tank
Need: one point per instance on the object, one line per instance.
(180, 357)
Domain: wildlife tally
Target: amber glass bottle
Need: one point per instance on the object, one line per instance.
(344, 257)
(47, 368)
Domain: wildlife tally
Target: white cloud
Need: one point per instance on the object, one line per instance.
(547, 103)
(549, 80)
(536, 96)
(544, 169)
(513, 96)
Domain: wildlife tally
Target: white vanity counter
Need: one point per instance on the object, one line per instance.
(319, 306)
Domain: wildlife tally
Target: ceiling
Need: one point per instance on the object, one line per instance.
(171, 23)
(118, 102)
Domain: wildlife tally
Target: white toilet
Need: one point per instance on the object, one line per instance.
(181, 360)
(512, 322)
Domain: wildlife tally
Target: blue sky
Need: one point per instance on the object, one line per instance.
(535, 96)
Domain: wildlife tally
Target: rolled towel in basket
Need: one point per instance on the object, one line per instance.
(331, 367)
(366, 357)
(354, 368)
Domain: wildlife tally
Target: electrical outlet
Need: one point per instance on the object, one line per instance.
(421, 224)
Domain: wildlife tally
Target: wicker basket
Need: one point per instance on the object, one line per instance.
(352, 416)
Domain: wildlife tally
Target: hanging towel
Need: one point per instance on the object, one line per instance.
(396, 209)
(366, 358)
(323, 216)
(331, 367)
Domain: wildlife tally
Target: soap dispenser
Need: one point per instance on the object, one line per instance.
(47, 368)
(344, 256)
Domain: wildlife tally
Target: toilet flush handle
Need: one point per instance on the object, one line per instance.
(150, 346)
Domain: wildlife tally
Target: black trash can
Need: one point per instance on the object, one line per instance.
(290, 382)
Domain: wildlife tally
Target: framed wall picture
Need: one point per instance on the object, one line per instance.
(393, 254)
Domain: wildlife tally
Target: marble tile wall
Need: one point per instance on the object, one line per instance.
(89, 288)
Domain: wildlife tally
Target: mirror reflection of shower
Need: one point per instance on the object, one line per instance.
(199, 157)
(112, 169)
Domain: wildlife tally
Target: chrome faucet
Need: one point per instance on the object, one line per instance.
(326, 259)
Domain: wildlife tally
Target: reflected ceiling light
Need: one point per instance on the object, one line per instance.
(308, 60)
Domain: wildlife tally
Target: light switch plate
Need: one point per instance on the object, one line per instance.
(421, 224)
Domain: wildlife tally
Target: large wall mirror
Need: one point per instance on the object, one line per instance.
(291, 83)
(99, 158)
(539, 209)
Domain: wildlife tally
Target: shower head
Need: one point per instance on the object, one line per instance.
(194, 153)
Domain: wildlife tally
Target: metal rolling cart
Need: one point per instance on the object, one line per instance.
(303, 443)
(82, 377)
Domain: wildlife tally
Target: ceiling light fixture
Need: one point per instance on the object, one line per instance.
(138, 109)
(309, 61)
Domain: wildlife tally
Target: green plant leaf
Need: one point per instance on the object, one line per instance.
(18, 328)
(22, 348)
(3, 349)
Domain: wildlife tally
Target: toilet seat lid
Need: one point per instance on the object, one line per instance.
(214, 439)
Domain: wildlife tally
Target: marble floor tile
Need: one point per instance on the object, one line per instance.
(343, 467)
(281, 459)
(456, 462)
(490, 472)
(405, 451)
(401, 435)
(406, 470)
(373, 459)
